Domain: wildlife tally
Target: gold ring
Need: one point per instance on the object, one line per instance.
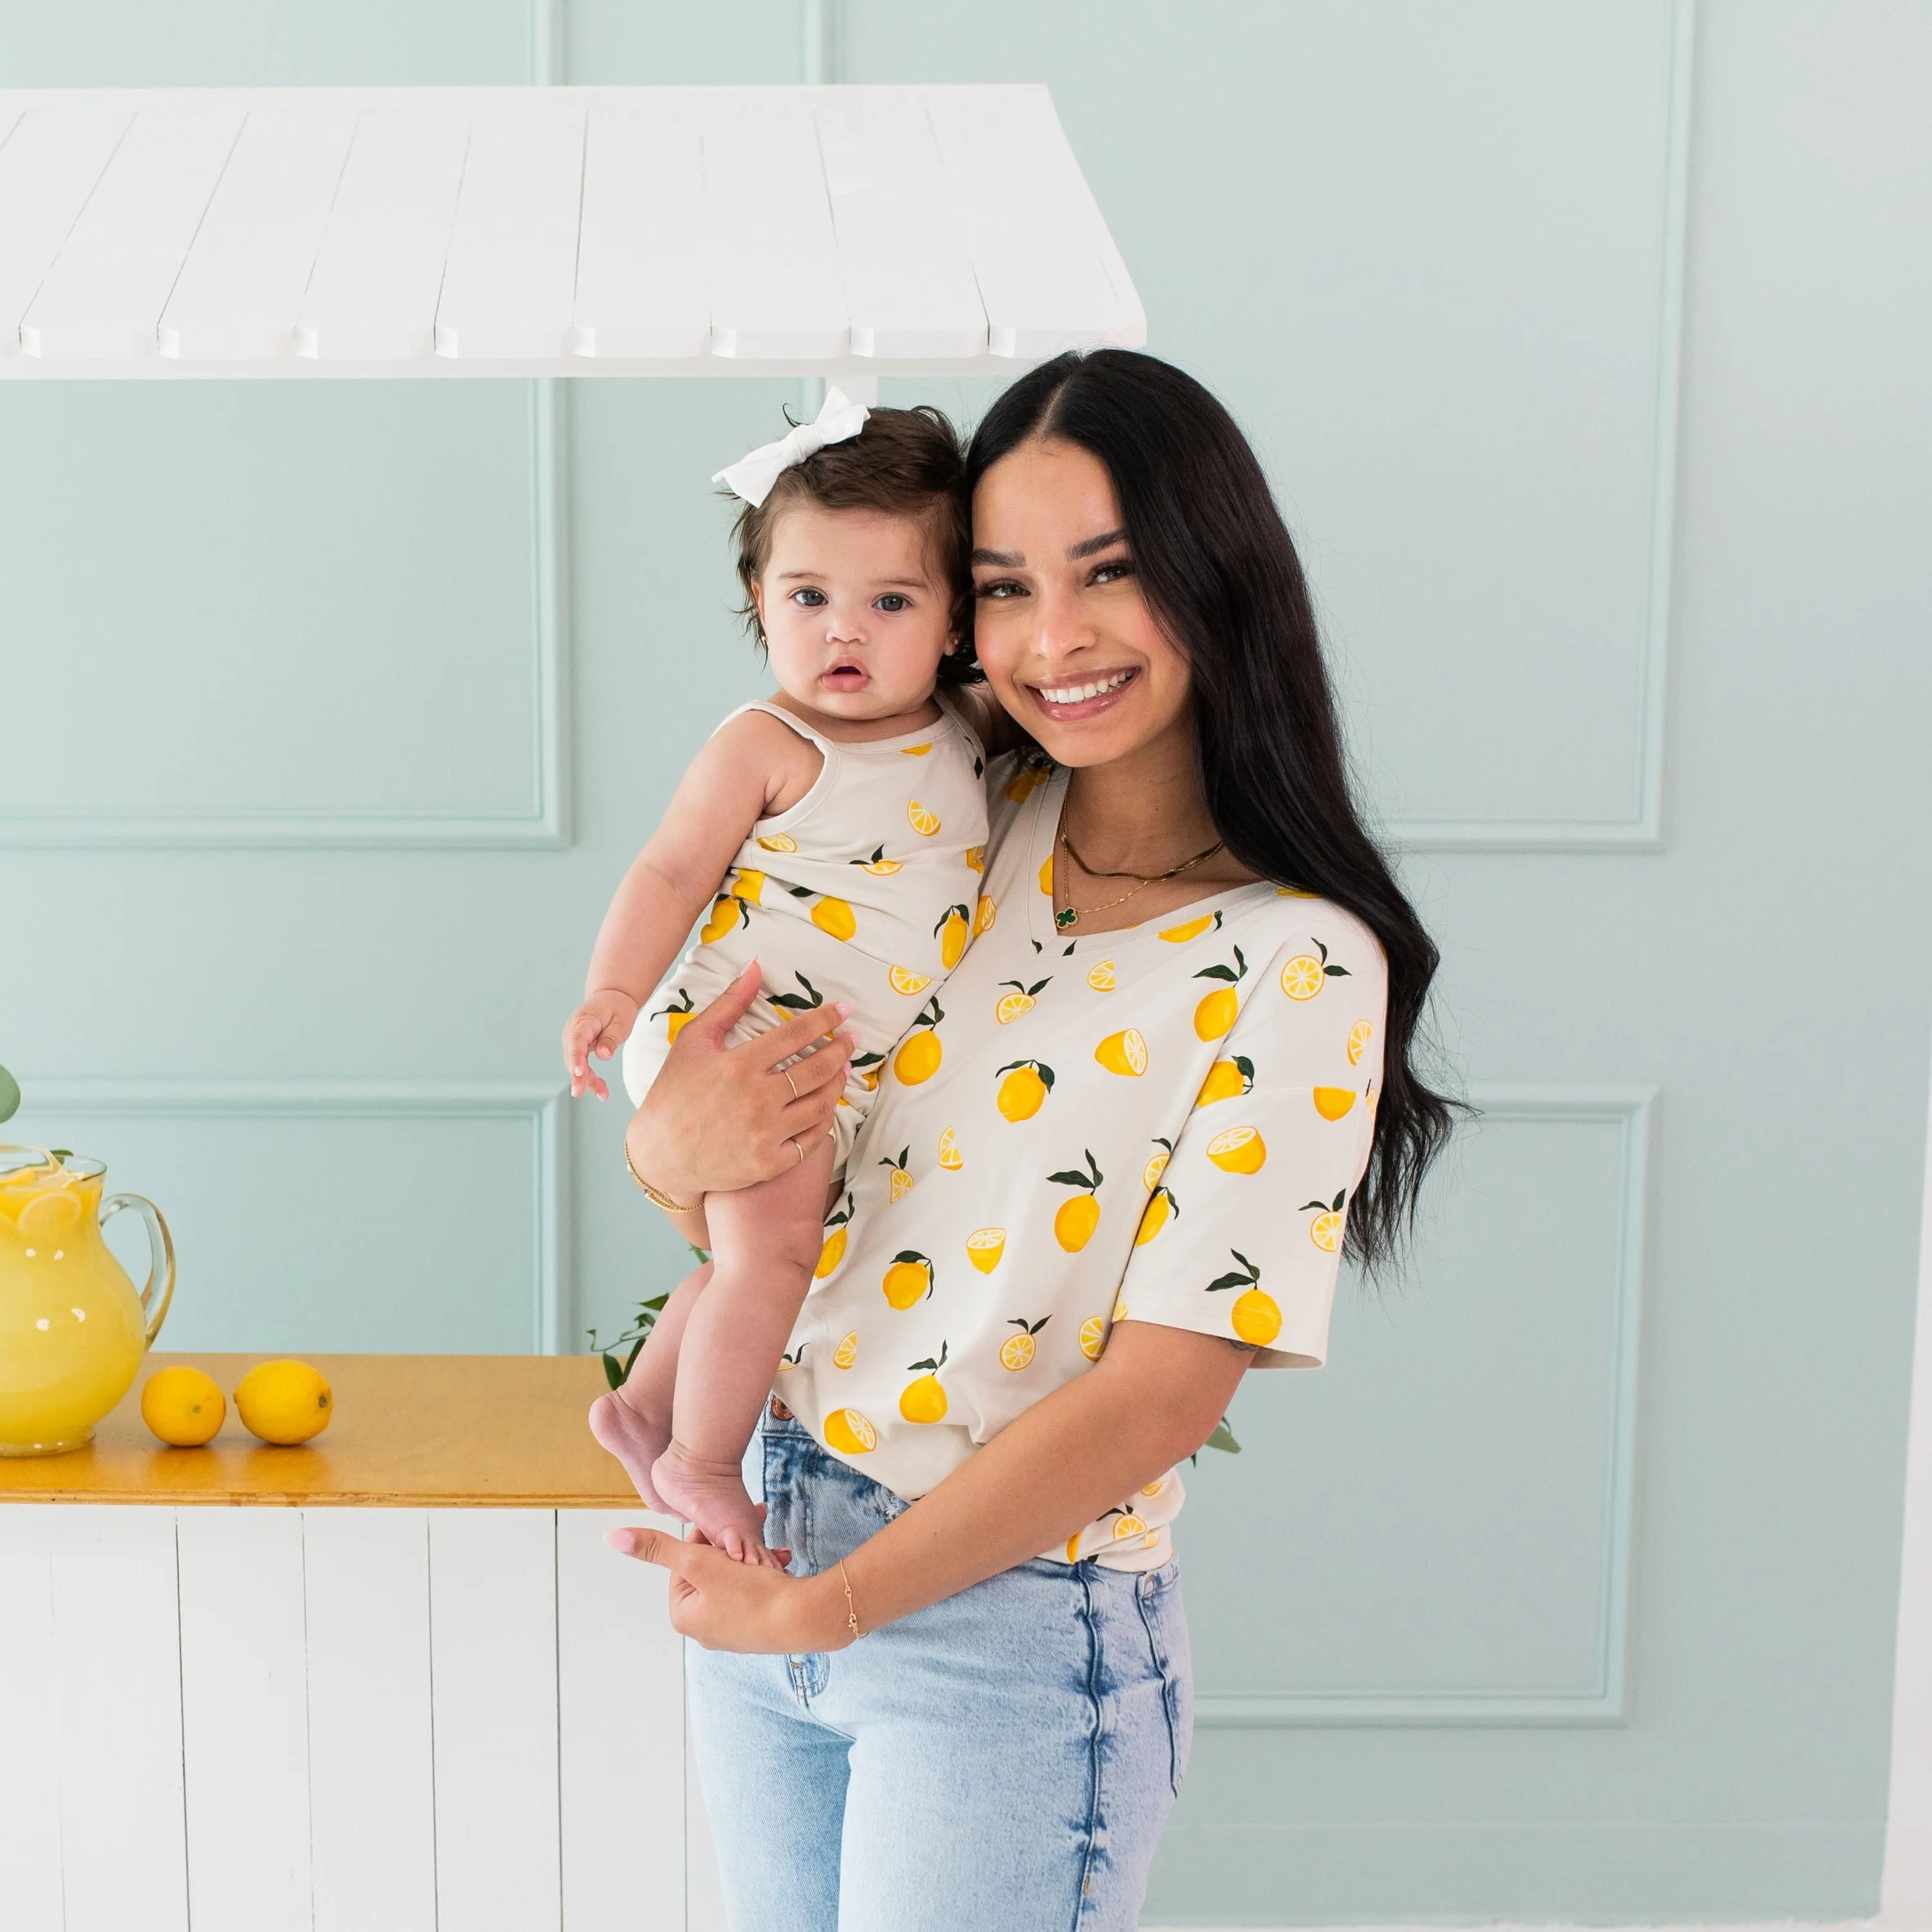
(797, 1150)
(790, 1081)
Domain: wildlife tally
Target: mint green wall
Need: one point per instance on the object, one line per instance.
(328, 715)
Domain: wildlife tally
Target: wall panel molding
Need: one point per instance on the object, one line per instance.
(1641, 830)
(536, 1103)
(1604, 1700)
(545, 822)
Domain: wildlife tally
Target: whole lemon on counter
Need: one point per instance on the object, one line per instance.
(284, 1401)
(183, 1407)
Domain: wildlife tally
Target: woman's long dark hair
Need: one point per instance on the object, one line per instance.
(1219, 569)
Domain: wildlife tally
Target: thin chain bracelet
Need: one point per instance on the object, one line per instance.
(659, 1199)
(851, 1614)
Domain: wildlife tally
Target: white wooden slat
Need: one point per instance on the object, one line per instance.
(30, 1836)
(620, 1719)
(245, 1719)
(907, 267)
(509, 289)
(775, 286)
(239, 291)
(372, 1798)
(1040, 249)
(372, 294)
(48, 167)
(492, 1648)
(102, 299)
(643, 284)
(118, 1663)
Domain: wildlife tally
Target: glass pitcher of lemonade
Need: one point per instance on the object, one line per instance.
(72, 1329)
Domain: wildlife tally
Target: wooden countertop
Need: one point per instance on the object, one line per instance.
(409, 1431)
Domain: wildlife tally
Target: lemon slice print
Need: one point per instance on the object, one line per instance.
(1093, 1337)
(1239, 1150)
(1360, 1034)
(1156, 1163)
(1325, 1230)
(1128, 1525)
(984, 1247)
(984, 915)
(1017, 1351)
(1123, 1052)
(1026, 781)
(900, 1183)
(1332, 1103)
(1302, 977)
(850, 1433)
(1100, 975)
(780, 841)
(976, 858)
(924, 822)
(846, 1352)
(904, 980)
(949, 1156)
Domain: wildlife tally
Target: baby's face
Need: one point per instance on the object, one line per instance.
(855, 616)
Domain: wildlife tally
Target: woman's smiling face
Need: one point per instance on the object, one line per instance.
(1065, 637)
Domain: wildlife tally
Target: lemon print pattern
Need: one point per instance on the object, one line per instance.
(856, 893)
(1163, 1124)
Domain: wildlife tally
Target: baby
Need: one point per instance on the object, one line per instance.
(836, 832)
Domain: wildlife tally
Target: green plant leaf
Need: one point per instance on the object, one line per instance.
(613, 1371)
(1223, 1438)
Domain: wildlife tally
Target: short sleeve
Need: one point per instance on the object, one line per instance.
(1242, 1234)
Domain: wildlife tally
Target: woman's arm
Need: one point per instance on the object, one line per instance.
(1152, 1399)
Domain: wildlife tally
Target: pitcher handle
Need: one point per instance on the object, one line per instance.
(159, 1290)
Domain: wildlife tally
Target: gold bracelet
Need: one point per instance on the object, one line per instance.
(657, 1199)
(851, 1614)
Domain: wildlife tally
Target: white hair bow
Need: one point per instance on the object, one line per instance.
(752, 476)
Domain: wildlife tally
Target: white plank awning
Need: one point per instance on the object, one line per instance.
(575, 231)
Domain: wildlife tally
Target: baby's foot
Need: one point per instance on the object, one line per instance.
(713, 1496)
(635, 1440)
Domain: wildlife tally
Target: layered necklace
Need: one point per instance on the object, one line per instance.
(1070, 917)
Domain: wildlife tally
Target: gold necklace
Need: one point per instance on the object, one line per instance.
(1070, 917)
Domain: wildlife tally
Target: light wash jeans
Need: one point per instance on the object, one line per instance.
(1001, 1762)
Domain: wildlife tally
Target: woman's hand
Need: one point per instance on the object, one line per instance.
(717, 1118)
(744, 1607)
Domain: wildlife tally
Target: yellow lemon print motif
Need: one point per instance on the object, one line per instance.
(1073, 1547)
(914, 750)
(952, 931)
(1017, 1351)
(1325, 1230)
(984, 914)
(849, 1433)
(1123, 1052)
(1192, 928)
(1021, 1000)
(976, 858)
(909, 1280)
(1026, 780)
(867, 1068)
(1100, 975)
(1332, 1103)
(1227, 1080)
(1162, 1208)
(1156, 1163)
(904, 980)
(1046, 875)
(922, 821)
(1304, 976)
(920, 1052)
(780, 841)
(792, 1358)
(1093, 1337)
(878, 865)
(1024, 1089)
(835, 916)
(900, 1183)
(726, 916)
(1240, 1150)
(1154, 1488)
(1360, 1034)
(984, 1247)
(832, 1251)
(1215, 1013)
(1128, 1525)
(1120, 1313)
(747, 886)
(674, 1016)
(846, 1352)
(925, 1400)
(1254, 1317)
(1294, 893)
(949, 1156)
(1078, 1215)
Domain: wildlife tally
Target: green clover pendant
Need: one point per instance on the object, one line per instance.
(1063, 919)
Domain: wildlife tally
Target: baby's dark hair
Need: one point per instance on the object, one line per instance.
(908, 463)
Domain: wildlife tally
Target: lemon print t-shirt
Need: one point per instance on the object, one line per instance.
(864, 891)
(1163, 1124)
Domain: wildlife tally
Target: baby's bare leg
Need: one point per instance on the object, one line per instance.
(766, 1242)
(634, 1422)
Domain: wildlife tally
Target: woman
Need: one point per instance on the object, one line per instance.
(1111, 1171)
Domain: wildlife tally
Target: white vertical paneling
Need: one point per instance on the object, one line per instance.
(102, 299)
(775, 290)
(30, 1834)
(245, 1719)
(1046, 270)
(372, 1797)
(620, 1723)
(48, 169)
(908, 278)
(643, 286)
(117, 1656)
(509, 289)
(237, 296)
(372, 294)
(492, 1648)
